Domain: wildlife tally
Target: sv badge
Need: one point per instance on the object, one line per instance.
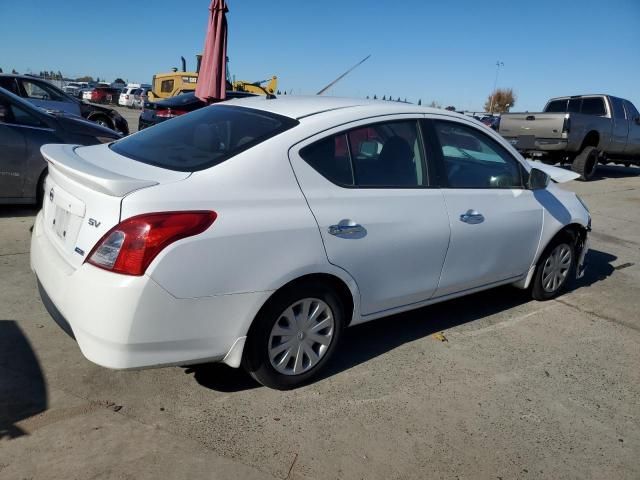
(94, 223)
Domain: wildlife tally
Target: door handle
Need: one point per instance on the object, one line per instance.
(347, 228)
(472, 217)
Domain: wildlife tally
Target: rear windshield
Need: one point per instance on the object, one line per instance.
(556, 106)
(203, 138)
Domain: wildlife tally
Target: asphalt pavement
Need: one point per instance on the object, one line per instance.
(512, 389)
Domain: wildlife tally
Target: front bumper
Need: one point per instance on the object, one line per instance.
(125, 322)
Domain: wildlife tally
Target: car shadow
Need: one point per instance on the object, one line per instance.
(221, 377)
(604, 172)
(16, 211)
(23, 390)
(364, 342)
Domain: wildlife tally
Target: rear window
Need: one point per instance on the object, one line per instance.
(556, 106)
(203, 138)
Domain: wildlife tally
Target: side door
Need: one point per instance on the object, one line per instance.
(367, 184)
(496, 223)
(620, 127)
(633, 142)
(13, 153)
(45, 96)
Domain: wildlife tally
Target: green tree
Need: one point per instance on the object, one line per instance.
(500, 100)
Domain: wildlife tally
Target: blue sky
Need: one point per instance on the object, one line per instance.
(430, 50)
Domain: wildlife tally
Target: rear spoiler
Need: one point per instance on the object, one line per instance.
(63, 159)
(559, 175)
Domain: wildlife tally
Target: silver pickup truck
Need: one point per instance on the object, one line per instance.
(583, 130)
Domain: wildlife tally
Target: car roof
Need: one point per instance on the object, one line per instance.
(300, 106)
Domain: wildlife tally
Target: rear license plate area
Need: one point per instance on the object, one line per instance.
(60, 222)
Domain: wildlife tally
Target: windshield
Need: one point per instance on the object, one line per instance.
(203, 138)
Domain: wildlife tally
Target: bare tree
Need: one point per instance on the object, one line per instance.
(500, 100)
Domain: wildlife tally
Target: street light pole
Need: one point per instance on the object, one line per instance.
(495, 84)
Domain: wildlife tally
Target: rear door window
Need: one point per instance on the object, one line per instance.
(330, 158)
(380, 155)
(618, 108)
(203, 138)
(593, 106)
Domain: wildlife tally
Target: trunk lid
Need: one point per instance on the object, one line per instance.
(539, 125)
(84, 191)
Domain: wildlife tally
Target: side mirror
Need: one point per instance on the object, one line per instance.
(537, 179)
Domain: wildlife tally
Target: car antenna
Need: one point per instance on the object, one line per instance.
(343, 75)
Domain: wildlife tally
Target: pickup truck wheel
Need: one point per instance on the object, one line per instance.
(586, 162)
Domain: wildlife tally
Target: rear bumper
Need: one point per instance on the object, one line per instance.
(131, 322)
(528, 143)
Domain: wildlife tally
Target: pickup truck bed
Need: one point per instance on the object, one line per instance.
(581, 130)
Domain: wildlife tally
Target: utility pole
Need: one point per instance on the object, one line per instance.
(495, 84)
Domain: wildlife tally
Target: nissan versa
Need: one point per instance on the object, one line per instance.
(254, 231)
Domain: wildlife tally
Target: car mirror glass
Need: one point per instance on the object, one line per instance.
(538, 179)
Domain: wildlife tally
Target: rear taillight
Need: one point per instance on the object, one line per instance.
(126, 97)
(566, 125)
(130, 246)
(169, 113)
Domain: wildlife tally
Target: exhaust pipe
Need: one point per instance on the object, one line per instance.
(198, 63)
(184, 64)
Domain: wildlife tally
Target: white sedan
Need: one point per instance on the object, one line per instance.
(254, 231)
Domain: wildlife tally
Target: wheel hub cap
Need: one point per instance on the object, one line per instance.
(301, 336)
(556, 268)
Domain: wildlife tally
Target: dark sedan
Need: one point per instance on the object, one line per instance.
(24, 128)
(156, 112)
(49, 97)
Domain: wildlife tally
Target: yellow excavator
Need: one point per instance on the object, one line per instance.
(165, 85)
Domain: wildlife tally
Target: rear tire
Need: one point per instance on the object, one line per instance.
(555, 268)
(586, 163)
(272, 359)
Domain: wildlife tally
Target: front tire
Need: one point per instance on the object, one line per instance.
(294, 336)
(554, 269)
